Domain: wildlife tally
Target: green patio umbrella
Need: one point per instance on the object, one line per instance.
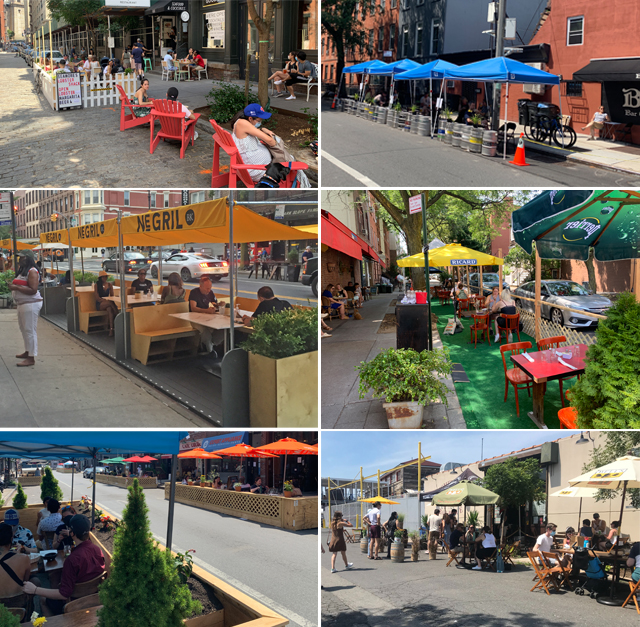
(466, 493)
(113, 460)
(566, 223)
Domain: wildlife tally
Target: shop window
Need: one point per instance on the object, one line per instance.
(575, 31)
(308, 27)
(213, 29)
(573, 89)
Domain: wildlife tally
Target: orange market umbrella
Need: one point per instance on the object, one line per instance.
(198, 453)
(243, 450)
(286, 446)
(144, 459)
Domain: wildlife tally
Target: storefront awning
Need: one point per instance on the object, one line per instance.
(333, 235)
(167, 6)
(603, 70)
(224, 441)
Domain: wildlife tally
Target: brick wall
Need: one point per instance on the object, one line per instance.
(612, 276)
(344, 268)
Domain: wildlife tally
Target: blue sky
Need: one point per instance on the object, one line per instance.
(343, 452)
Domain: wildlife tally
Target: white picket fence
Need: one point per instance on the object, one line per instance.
(96, 92)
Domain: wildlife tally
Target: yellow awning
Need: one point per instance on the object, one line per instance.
(451, 255)
(8, 245)
(308, 228)
(203, 222)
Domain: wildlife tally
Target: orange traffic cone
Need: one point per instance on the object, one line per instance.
(335, 101)
(519, 158)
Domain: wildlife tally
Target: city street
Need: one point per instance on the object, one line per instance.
(274, 566)
(357, 153)
(296, 293)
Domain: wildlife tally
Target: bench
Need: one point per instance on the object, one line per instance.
(248, 304)
(91, 319)
(222, 139)
(156, 336)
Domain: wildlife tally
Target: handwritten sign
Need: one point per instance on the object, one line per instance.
(68, 90)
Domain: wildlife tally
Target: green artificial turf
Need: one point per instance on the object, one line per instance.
(482, 399)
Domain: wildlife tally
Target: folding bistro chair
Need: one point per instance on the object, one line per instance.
(634, 589)
(562, 572)
(480, 326)
(543, 574)
(515, 376)
(554, 342)
(453, 556)
(512, 325)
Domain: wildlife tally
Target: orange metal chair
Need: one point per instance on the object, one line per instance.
(463, 305)
(512, 326)
(515, 376)
(480, 325)
(567, 417)
(554, 342)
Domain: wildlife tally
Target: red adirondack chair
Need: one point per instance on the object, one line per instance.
(128, 120)
(237, 168)
(173, 124)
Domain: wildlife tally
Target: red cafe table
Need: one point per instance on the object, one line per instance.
(546, 367)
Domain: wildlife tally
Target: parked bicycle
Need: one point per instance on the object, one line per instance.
(542, 126)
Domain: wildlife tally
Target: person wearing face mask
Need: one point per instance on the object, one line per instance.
(29, 302)
(544, 544)
(251, 140)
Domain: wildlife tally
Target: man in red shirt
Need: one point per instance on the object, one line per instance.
(199, 61)
(85, 563)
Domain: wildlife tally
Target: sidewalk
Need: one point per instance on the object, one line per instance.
(352, 342)
(603, 153)
(73, 386)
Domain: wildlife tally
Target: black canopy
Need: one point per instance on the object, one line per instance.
(603, 70)
(167, 6)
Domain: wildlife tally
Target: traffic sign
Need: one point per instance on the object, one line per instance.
(415, 204)
(5, 209)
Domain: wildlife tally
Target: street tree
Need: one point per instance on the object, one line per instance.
(477, 214)
(617, 444)
(517, 482)
(342, 21)
(263, 26)
(519, 259)
(10, 34)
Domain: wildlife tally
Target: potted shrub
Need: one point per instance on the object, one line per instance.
(237, 486)
(407, 380)
(415, 546)
(400, 523)
(476, 120)
(20, 499)
(293, 271)
(283, 369)
(287, 488)
(203, 481)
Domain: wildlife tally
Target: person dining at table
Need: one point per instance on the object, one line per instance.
(598, 525)
(22, 538)
(141, 284)
(505, 305)
(485, 546)
(15, 569)
(544, 544)
(257, 487)
(605, 542)
(268, 303)
(586, 531)
(203, 300)
(174, 292)
(86, 562)
(103, 289)
(332, 303)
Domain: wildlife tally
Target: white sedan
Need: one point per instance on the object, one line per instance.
(192, 266)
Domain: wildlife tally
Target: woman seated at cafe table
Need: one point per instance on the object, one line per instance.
(102, 289)
(611, 539)
(173, 292)
(333, 303)
(258, 488)
(507, 306)
(141, 284)
(15, 568)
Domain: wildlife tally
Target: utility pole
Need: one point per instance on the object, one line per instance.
(501, 6)
(12, 209)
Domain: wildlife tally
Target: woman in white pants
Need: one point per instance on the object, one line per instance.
(29, 303)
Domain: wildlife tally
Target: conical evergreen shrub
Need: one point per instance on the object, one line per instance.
(20, 499)
(49, 486)
(7, 619)
(607, 396)
(143, 588)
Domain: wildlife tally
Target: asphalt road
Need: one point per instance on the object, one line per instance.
(296, 293)
(276, 567)
(359, 153)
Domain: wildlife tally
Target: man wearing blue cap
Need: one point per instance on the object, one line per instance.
(21, 536)
(85, 563)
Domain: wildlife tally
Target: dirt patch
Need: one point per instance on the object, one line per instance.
(388, 324)
(295, 131)
(393, 302)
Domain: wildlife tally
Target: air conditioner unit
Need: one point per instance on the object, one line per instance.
(534, 88)
(363, 231)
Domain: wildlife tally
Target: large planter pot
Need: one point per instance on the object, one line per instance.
(404, 415)
(293, 273)
(287, 493)
(397, 551)
(277, 395)
(238, 489)
(364, 545)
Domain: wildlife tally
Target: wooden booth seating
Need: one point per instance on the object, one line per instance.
(91, 319)
(88, 588)
(83, 603)
(128, 284)
(156, 336)
(248, 304)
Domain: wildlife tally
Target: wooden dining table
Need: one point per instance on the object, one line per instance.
(50, 566)
(132, 301)
(546, 367)
(81, 618)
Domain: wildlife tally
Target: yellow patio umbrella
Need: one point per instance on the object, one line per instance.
(379, 499)
(451, 255)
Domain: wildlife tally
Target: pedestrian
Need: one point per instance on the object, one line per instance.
(337, 542)
(307, 254)
(373, 520)
(435, 522)
(29, 302)
(390, 531)
(139, 471)
(137, 52)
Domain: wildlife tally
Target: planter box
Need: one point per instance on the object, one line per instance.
(238, 608)
(68, 470)
(287, 513)
(125, 482)
(29, 515)
(283, 392)
(29, 480)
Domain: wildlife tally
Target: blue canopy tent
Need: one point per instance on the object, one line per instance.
(40, 444)
(503, 70)
(360, 68)
(433, 69)
(391, 69)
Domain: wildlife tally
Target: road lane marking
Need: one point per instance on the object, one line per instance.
(365, 180)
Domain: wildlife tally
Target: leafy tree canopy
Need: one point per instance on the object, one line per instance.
(517, 482)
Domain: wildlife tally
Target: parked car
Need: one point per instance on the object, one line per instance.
(87, 473)
(192, 266)
(489, 281)
(154, 255)
(309, 275)
(133, 262)
(568, 294)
